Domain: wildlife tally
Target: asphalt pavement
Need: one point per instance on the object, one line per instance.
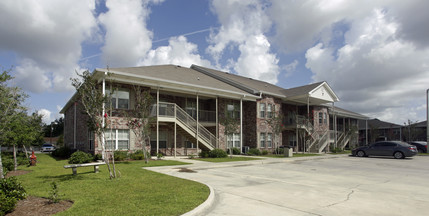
(322, 185)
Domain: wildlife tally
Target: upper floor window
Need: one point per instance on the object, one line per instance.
(262, 110)
(233, 110)
(325, 118)
(269, 111)
(320, 117)
(120, 99)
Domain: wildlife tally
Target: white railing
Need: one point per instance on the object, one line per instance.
(173, 111)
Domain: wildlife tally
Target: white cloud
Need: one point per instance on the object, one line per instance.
(46, 115)
(46, 37)
(290, 68)
(178, 52)
(376, 72)
(127, 39)
(243, 26)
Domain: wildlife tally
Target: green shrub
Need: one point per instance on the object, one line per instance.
(98, 157)
(279, 151)
(218, 153)
(137, 155)
(63, 152)
(121, 155)
(54, 195)
(336, 150)
(264, 152)
(80, 157)
(235, 151)
(7, 163)
(12, 188)
(204, 154)
(7, 204)
(254, 151)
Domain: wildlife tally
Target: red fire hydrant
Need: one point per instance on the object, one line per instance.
(33, 159)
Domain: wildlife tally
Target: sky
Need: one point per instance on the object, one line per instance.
(373, 53)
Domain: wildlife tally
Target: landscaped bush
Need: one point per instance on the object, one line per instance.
(98, 157)
(62, 152)
(235, 151)
(121, 155)
(10, 192)
(7, 163)
(279, 151)
(204, 154)
(137, 155)
(218, 153)
(80, 157)
(254, 151)
(7, 160)
(264, 152)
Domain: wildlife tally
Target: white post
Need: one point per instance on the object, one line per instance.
(427, 115)
(198, 110)
(103, 119)
(217, 123)
(157, 121)
(366, 131)
(241, 125)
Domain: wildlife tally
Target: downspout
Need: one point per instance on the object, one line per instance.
(308, 119)
(74, 126)
(217, 122)
(366, 131)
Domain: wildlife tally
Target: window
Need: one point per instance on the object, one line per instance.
(162, 142)
(91, 140)
(120, 99)
(262, 110)
(233, 110)
(325, 118)
(320, 117)
(234, 140)
(117, 139)
(269, 111)
(269, 140)
(262, 140)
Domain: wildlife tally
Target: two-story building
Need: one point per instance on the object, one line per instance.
(191, 103)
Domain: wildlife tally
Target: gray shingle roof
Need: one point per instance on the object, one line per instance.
(377, 124)
(301, 90)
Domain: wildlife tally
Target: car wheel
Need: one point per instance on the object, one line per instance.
(398, 155)
(360, 153)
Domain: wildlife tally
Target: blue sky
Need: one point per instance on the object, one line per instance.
(374, 54)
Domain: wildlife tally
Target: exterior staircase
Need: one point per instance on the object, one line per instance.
(188, 126)
(317, 142)
(343, 140)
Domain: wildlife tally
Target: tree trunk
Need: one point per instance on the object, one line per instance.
(1, 166)
(26, 153)
(15, 167)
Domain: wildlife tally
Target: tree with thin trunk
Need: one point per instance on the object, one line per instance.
(93, 102)
(231, 125)
(11, 99)
(138, 118)
(276, 125)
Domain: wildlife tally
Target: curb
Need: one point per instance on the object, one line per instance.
(205, 206)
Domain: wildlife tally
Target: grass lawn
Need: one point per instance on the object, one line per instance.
(227, 159)
(343, 152)
(136, 192)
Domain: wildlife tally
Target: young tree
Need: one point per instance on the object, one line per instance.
(139, 117)
(93, 102)
(11, 99)
(276, 125)
(231, 125)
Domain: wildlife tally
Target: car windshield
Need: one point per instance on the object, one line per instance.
(47, 145)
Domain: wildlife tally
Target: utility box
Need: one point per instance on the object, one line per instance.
(288, 150)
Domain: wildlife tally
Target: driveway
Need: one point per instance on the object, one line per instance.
(326, 185)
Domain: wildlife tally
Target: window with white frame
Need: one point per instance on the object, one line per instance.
(120, 99)
(269, 111)
(325, 118)
(269, 140)
(262, 140)
(262, 110)
(233, 110)
(320, 117)
(233, 140)
(117, 139)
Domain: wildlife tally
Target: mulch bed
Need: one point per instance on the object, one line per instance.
(37, 206)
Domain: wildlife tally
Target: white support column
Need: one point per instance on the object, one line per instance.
(241, 125)
(366, 131)
(198, 112)
(74, 126)
(103, 119)
(157, 121)
(427, 115)
(217, 123)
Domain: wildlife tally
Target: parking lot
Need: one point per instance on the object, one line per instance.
(339, 185)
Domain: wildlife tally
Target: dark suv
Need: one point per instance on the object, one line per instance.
(421, 146)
